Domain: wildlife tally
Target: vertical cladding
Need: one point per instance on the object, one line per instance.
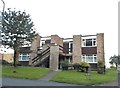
(100, 47)
(34, 48)
(77, 48)
(54, 57)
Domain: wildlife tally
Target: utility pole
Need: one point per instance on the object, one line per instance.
(3, 5)
(1, 20)
(118, 43)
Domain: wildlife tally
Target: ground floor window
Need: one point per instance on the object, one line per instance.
(90, 58)
(24, 57)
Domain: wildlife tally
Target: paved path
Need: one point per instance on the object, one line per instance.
(114, 83)
(50, 75)
(25, 82)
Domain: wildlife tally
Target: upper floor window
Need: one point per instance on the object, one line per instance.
(89, 42)
(24, 57)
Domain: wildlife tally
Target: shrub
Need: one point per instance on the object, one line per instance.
(100, 63)
(101, 67)
(85, 66)
(76, 66)
(4, 62)
(18, 63)
(64, 65)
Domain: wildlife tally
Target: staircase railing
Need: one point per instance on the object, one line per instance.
(61, 48)
(40, 55)
(43, 54)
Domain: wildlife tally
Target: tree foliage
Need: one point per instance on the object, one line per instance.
(115, 60)
(17, 29)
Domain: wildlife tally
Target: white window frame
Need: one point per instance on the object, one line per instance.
(21, 55)
(70, 46)
(84, 42)
(87, 56)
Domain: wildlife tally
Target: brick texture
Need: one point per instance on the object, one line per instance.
(100, 47)
(77, 50)
(54, 57)
(34, 48)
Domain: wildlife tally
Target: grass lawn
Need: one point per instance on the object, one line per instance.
(75, 77)
(24, 72)
(0, 70)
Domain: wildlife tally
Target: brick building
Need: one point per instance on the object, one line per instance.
(51, 50)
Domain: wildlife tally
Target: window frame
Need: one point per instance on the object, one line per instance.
(25, 54)
(86, 56)
(84, 42)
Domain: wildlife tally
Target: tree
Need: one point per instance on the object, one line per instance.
(17, 30)
(115, 60)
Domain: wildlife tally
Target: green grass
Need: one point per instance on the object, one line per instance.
(75, 77)
(24, 72)
(0, 70)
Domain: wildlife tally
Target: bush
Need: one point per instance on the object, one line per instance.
(76, 66)
(85, 66)
(18, 63)
(4, 62)
(101, 67)
(100, 63)
(64, 65)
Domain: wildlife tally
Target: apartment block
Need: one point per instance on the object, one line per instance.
(50, 51)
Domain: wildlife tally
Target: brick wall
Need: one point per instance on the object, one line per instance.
(77, 48)
(56, 39)
(54, 57)
(34, 48)
(100, 46)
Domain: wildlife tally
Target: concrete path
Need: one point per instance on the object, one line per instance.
(50, 75)
(25, 82)
(114, 83)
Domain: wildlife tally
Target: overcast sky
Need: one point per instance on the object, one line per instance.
(73, 17)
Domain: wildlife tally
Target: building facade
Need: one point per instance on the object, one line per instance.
(50, 51)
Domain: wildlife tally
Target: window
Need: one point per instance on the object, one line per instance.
(89, 58)
(24, 57)
(83, 58)
(89, 42)
(70, 47)
(92, 58)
